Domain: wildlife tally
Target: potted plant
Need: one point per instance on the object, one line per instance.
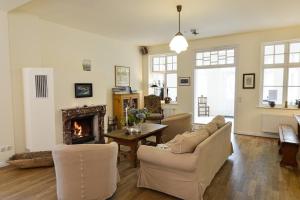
(134, 119)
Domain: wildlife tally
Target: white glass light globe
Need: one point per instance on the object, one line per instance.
(178, 43)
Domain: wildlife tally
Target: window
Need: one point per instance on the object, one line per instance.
(220, 57)
(281, 73)
(163, 76)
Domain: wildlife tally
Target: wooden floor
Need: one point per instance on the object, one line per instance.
(252, 172)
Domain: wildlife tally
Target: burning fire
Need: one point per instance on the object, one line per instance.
(77, 129)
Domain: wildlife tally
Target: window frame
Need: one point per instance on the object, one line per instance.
(216, 49)
(286, 65)
(165, 72)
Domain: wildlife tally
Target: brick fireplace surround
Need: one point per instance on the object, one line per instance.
(69, 114)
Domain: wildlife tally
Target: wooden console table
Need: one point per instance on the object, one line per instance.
(132, 140)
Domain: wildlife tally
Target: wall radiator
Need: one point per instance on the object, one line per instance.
(270, 122)
(39, 108)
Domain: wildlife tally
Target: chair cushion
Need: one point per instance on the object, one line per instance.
(219, 120)
(186, 142)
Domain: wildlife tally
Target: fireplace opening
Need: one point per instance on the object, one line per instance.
(82, 129)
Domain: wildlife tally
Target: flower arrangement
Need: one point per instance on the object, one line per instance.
(135, 116)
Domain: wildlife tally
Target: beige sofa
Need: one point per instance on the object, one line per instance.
(186, 175)
(86, 171)
(177, 124)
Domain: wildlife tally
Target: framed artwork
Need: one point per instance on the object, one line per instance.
(249, 81)
(184, 81)
(83, 90)
(122, 76)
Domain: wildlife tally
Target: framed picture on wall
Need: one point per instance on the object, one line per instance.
(249, 81)
(122, 76)
(184, 81)
(83, 90)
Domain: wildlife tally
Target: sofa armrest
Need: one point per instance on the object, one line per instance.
(165, 158)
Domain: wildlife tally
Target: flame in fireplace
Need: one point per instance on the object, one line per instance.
(77, 129)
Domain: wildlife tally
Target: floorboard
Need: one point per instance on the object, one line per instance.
(252, 172)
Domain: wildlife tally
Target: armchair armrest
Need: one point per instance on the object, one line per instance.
(165, 158)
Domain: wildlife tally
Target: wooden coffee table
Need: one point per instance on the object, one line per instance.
(132, 140)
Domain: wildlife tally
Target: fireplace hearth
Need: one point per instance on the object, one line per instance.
(83, 124)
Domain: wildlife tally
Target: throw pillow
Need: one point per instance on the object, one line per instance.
(211, 127)
(219, 120)
(186, 142)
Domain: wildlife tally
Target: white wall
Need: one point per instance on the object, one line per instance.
(248, 116)
(39, 43)
(6, 126)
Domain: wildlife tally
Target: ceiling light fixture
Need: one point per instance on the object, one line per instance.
(178, 43)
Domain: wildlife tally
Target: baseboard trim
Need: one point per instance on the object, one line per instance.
(259, 134)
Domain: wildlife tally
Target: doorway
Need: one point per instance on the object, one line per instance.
(214, 93)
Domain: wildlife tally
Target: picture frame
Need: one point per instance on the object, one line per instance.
(122, 76)
(249, 81)
(184, 81)
(83, 90)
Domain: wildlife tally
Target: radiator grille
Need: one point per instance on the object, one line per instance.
(41, 86)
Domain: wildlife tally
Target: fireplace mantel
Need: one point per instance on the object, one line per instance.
(71, 113)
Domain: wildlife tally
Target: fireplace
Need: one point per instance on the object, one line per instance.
(83, 124)
(82, 129)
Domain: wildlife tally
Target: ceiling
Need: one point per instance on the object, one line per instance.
(148, 22)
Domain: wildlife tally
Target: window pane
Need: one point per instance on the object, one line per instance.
(279, 59)
(175, 66)
(279, 49)
(269, 50)
(199, 62)
(273, 77)
(172, 92)
(175, 59)
(294, 76)
(156, 60)
(162, 68)
(162, 60)
(293, 94)
(294, 57)
(230, 60)
(273, 94)
(169, 66)
(294, 47)
(171, 80)
(158, 79)
(169, 59)
(269, 59)
(155, 67)
(199, 56)
(230, 52)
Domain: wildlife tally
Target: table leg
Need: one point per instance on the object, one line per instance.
(299, 130)
(158, 138)
(133, 152)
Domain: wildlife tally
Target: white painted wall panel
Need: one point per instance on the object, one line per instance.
(39, 111)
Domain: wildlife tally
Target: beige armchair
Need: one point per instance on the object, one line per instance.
(86, 171)
(177, 124)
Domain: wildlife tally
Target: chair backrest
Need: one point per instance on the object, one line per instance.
(152, 103)
(88, 171)
(177, 124)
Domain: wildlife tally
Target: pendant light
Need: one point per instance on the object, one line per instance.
(178, 43)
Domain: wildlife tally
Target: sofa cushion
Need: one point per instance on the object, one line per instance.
(186, 142)
(219, 120)
(211, 127)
